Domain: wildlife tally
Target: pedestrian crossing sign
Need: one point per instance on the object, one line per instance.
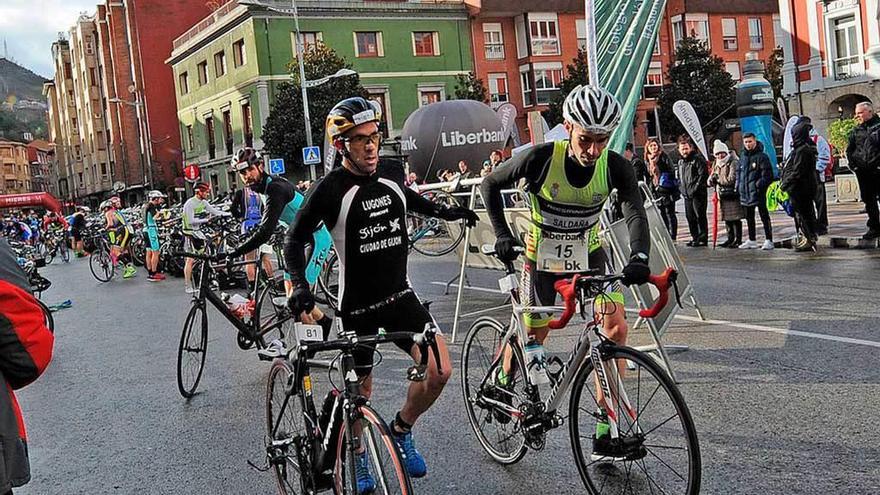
(311, 155)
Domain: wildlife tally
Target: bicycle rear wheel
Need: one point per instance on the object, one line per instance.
(50, 320)
(382, 457)
(191, 350)
(101, 265)
(659, 450)
(272, 321)
(64, 250)
(433, 236)
(328, 282)
(285, 427)
(498, 429)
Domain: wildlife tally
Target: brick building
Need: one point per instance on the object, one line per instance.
(60, 167)
(41, 157)
(15, 168)
(521, 48)
(832, 57)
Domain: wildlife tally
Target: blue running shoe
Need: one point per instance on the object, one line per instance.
(366, 483)
(414, 462)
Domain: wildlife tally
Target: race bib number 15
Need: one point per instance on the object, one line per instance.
(563, 253)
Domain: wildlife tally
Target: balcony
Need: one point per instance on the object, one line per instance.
(494, 51)
(848, 68)
(545, 46)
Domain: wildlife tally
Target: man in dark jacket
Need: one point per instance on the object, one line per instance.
(694, 173)
(753, 175)
(800, 182)
(25, 352)
(863, 153)
(638, 165)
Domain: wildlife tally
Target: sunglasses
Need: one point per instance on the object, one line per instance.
(361, 140)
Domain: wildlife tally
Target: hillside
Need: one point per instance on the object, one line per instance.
(19, 82)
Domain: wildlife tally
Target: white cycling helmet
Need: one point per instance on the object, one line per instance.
(593, 108)
(154, 194)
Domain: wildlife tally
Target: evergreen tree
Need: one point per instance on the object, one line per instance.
(283, 133)
(696, 76)
(470, 87)
(577, 73)
(773, 71)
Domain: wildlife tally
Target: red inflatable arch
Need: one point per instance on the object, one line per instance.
(26, 200)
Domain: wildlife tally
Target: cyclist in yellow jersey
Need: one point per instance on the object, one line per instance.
(567, 184)
(119, 233)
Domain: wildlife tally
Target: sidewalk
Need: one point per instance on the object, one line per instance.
(845, 225)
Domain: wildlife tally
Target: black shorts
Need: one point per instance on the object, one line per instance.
(538, 287)
(77, 235)
(406, 314)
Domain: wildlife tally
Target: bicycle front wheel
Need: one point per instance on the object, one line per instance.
(101, 265)
(64, 250)
(328, 282)
(492, 403)
(433, 236)
(191, 351)
(285, 428)
(657, 450)
(374, 446)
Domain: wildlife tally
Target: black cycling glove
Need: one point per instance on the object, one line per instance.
(459, 213)
(636, 272)
(507, 248)
(301, 300)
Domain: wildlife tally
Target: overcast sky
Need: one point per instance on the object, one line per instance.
(30, 26)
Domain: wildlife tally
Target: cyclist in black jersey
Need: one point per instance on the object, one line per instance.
(363, 204)
(568, 183)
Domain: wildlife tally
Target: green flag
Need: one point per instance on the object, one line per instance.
(627, 31)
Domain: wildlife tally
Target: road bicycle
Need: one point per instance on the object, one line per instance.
(56, 242)
(433, 236)
(311, 451)
(101, 264)
(652, 435)
(259, 322)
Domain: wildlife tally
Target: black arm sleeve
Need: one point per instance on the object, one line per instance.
(276, 200)
(299, 233)
(417, 203)
(530, 164)
(631, 203)
(237, 206)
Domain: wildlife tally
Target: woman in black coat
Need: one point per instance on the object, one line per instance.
(800, 182)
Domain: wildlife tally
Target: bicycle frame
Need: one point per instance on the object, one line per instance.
(583, 350)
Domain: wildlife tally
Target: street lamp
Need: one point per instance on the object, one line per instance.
(304, 84)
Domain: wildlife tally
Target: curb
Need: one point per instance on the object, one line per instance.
(833, 242)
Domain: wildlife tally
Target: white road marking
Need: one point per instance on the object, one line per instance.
(734, 324)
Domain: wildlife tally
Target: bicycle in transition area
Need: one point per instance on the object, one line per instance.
(650, 442)
(259, 319)
(433, 236)
(101, 263)
(311, 450)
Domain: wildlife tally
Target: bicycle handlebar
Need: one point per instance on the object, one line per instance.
(568, 288)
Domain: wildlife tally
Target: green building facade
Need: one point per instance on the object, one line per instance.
(228, 67)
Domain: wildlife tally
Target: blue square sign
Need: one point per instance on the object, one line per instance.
(311, 155)
(276, 166)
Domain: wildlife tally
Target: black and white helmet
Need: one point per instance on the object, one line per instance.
(154, 194)
(245, 157)
(593, 108)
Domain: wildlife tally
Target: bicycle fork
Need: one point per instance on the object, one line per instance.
(613, 394)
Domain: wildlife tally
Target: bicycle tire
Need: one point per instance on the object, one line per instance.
(266, 313)
(49, 257)
(444, 237)
(481, 416)
(634, 474)
(65, 251)
(383, 456)
(101, 265)
(187, 382)
(328, 282)
(281, 400)
(50, 320)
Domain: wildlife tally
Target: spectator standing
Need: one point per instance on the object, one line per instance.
(863, 153)
(638, 165)
(799, 181)
(25, 351)
(723, 178)
(663, 183)
(464, 171)
(754, 175)
(823, 164)
(486, 170)
(495, 158)
(694, 174)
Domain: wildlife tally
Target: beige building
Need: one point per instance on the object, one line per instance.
(15, 168)
(59, 174)
(77, 116)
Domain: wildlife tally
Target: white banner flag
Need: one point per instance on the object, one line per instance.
(688, 118)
